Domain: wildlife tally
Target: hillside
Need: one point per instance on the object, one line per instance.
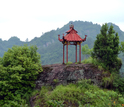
(50, 48)
(57, 75)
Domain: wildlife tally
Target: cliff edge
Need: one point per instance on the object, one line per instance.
(63, 74)
(57, 74)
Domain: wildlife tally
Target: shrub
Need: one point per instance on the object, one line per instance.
(87, 61)
(19, 68)
(86, 50)
(69, 63)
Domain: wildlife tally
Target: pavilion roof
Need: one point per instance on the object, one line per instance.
(71, 30)
(72, 35)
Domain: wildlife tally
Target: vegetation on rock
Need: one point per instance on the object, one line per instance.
(81, 94)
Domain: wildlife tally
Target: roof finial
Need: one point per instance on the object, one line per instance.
(71, 26)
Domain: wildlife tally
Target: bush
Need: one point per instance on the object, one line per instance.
(19, 68)
(82, 94)
(69, 63)
(95, 62)
(87, 61)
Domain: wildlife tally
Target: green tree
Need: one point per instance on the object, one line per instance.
(106, 48)
(19, 68)
(86, 50)
(122, 47)
(118, 84)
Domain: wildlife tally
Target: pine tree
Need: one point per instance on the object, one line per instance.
(106, 48)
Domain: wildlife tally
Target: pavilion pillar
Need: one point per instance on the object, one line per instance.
(67, 53)
(63, 52)
(80, 53)
(76, 53)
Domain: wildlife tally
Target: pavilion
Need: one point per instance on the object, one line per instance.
(71, 38)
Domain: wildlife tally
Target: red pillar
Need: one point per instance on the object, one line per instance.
(80, 53)
(76, 53)
(63, 53)
(67, 53)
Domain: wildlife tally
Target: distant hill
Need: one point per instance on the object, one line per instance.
(50, 48)
(4, 45)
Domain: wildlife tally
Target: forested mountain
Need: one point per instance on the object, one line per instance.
(50, 48)
(4, 45)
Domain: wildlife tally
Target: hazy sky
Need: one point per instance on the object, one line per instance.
(31, 18)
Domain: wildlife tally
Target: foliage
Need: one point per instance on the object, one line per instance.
(81, 94)
(118, 84)
(122, 46)
(56, 80)
(55, 103)
(87, 61)
(100, 67)
(93, 61)
(106, 48)
(69, 62)
(19, 68)
(77, 62)
(40, 95)
(108, 80)
(86, 50)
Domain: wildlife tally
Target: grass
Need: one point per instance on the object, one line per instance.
(69, 63)
(81, 94)
(95, 62)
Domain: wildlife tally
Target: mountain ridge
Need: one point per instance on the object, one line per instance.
(50, 48)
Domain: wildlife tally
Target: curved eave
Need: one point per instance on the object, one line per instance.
(61, 40)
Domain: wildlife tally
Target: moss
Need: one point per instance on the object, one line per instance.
(69, 63)
(77, 62)
(56, 80)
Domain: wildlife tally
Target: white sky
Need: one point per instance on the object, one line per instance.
(31, 18)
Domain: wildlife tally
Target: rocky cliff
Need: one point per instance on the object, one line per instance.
(63, 74)
(56, 74)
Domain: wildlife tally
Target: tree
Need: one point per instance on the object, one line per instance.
(106, 48)
(19, 68)
(122, 47)
(86, 50)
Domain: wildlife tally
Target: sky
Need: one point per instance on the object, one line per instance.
(31, 18)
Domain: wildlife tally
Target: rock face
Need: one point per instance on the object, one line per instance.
(63, 74)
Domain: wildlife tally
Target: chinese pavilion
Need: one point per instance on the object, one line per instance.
(71, 38)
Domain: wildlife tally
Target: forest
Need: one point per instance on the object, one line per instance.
(20, 65)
